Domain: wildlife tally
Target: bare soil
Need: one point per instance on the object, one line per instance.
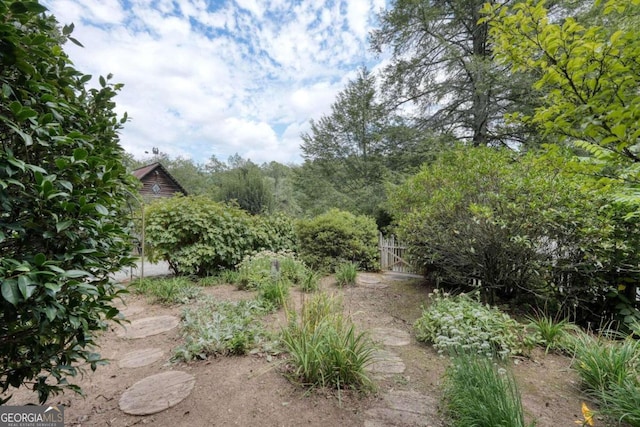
(252, 390)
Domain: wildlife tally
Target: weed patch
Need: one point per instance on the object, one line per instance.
(167, 291)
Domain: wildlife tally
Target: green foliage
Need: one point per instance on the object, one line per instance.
(266, 266)
(198, 236)
(621, 402)
(167, 291)
(221, 328)
(610, 374)
(246, 186)
(335, 237)
(325, 348)
(310, 282)
(346, 274)
(63, 190)
(519, 227)
(603, 363)
(275, 292)
(550, 332)
(460, 323)
(479, 393)
(588, 77)
(442, 62)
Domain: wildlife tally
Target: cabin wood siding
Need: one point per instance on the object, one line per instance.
(155, 176)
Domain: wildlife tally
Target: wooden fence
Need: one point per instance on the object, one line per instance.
(392, 255)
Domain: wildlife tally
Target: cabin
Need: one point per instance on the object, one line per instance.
(157, 181)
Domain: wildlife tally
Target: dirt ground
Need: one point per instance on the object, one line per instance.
(252, 391)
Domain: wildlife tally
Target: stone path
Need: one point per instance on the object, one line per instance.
(156, 392)
(398, 408)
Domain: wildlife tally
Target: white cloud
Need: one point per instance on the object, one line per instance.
(204, 79)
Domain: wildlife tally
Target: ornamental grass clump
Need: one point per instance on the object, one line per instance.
(325, 348)
(610, 373)
(550, 332)
(346, 274)
(478, 392)
(460, 323)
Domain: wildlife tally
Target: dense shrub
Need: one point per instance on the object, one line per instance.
(519, 227)
(63, 194)
(337, 236)
(198, 236)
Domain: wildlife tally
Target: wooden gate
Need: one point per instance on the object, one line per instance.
(392, 255)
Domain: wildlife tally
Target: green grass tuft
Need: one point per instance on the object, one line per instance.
(477, 392)
(326, 350)
(346, 274)
(167, 291)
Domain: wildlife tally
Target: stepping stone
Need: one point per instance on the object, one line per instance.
(390, 336)
(368, 278)
(129, 311)
(156, 393)
(404, 408)
(148, 326)
(138, 358)
(370, 281)
(386, 362)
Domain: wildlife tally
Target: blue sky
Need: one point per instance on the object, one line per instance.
(207, 77)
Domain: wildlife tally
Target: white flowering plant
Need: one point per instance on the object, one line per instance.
(461, 323)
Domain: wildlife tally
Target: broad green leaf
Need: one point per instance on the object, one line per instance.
(10, 291)
(51, 313)
(61, 226)
(74, 274)
(25, 284)
(102, 210)
(39, 259)
(80, 154)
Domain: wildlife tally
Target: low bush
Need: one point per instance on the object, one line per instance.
(325, 349)
(336, 237)
(198, 236)
(477, 392)
(221, 328)
(174, 290)
(461, 323)
(266, 266)
(346, 274)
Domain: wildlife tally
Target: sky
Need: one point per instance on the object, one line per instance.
(219, 77)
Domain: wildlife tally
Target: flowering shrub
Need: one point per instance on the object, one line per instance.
(460, 322)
